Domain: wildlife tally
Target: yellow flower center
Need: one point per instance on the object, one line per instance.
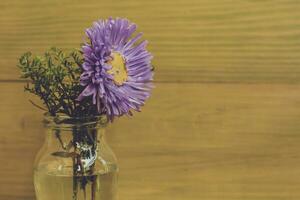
(118, 68)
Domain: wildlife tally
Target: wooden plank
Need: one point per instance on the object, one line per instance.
(192, 141)
(192, 40)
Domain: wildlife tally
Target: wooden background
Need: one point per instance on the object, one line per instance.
(223, 121)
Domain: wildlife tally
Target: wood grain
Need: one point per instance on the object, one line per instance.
(231, 41)
(195, 139)
(192, 141)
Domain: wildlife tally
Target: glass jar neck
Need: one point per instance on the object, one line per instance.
(75, 133)
(62, 121)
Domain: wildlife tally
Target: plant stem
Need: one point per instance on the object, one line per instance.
(81, 137)
(75, 161)
(94, 177)
(93, 187)
(58, 136)
(75, 184)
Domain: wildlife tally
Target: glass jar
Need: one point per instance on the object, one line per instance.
(75, 162)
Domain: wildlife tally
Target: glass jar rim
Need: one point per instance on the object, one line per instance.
(63, 120)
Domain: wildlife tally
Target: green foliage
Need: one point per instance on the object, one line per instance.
(54, 77)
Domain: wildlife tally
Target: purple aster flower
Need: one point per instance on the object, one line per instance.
(116, 70)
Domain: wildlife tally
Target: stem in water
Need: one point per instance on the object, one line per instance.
(92, 169)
